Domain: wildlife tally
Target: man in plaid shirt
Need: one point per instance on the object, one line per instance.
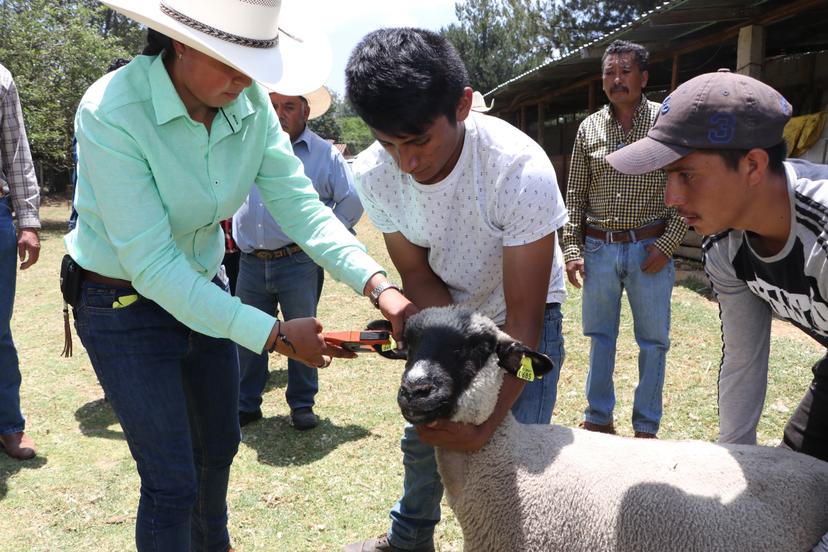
(22, 196)
(621, 236)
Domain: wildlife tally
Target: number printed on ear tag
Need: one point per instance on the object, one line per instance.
(391, 345)
(526, 372)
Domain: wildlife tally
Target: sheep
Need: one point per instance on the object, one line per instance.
(548, 487)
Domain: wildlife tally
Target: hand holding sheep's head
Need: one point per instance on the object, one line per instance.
(455, 365)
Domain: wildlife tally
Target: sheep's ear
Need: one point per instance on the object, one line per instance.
(514, 355)
(394, 352)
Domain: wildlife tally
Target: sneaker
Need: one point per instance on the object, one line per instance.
(303, 418)
(598, 428)
(249, 417)
(381, 544)
(645, 435)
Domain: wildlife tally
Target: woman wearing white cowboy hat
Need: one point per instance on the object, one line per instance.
(167, 147)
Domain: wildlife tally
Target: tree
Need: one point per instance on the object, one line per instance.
(500, 39)
(355, 133)
(327, 126)
(488, 40)
(56, 50)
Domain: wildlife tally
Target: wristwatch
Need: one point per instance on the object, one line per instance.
(377, 291)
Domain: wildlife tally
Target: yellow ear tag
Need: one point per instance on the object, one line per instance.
(391, 345)
(526, 372)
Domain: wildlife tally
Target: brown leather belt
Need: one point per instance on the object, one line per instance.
(270, 254)
(626, 236)
(106, 280)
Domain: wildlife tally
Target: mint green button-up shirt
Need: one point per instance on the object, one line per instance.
(153, 186)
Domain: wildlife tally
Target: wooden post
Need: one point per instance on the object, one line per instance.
(750, 55)
(540, 124)
(674, 77)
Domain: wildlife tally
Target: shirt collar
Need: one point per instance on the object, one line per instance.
(639, 109)
(305, 137)
(168, 105)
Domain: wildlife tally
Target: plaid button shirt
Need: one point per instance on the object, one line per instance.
(18, 175)
(598, 195)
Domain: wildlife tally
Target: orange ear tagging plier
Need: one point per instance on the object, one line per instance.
(375, 339)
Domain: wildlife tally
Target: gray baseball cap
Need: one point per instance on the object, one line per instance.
(714, 111)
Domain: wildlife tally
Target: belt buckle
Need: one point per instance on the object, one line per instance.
(610, 238)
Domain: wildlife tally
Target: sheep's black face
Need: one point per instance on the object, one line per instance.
(446, 349)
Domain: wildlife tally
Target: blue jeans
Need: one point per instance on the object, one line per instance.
(611, 268)
(175, 393)
(292, 284)
(416, 513)
(11, 419)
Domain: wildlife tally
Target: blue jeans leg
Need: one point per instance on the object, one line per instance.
(600, 313)
(649, 296)
(292, 284)
(175, 394)
(252, 290)
(11, 418)
(537, 400)
(417, 512)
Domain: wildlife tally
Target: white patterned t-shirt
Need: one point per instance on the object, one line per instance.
(502, 193)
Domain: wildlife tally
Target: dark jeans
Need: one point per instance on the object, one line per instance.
(175, 393)
(293, 284)
(807, 430)
(11, 419)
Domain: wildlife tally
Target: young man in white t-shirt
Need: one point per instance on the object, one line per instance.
(469, 207)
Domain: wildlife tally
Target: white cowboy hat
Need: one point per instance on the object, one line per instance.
(247, 35)
(319, 101)
(479, 103)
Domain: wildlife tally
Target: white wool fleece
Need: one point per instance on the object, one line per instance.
(550, 488)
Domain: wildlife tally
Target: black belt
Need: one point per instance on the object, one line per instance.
(626, 236)
(106, 280)
(270, 254)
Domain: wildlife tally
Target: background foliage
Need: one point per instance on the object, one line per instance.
(55, 49)
(500, 39)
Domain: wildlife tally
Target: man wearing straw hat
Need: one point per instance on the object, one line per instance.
(274, 273)
(169, 146)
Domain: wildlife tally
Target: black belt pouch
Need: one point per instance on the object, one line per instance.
(71, 278)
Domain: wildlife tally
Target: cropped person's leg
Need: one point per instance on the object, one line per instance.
(251, 288)
(417, 512)
(537, 400)
(11, 418)
(211, 382)
(807, 430)
(137, 354)
(649, 296)
(601, 311)
(297, 280)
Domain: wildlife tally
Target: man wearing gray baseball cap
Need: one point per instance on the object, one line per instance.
(719, 137)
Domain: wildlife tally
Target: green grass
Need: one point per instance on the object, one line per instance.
(321, 489)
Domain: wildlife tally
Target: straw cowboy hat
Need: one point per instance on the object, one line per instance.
(319, 101)
(247, 35)
(479, 103)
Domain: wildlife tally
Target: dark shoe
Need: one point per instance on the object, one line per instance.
(598, 428)
(381, 544)
(303, 418)
(645, 435)
(18, 445)
(249, 417)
